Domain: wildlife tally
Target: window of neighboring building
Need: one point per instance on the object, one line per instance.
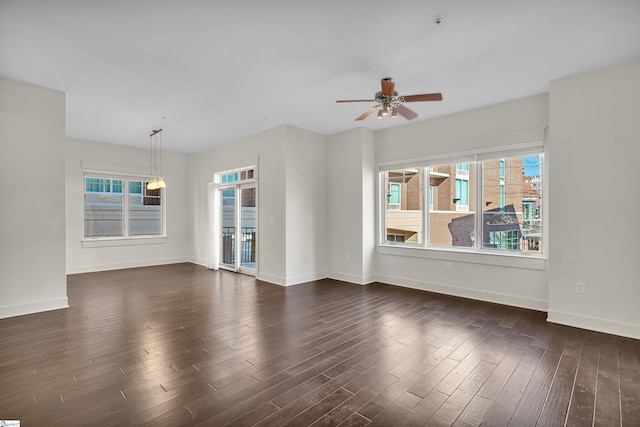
(430, 198)
(103, 185)
(530, 213)
(462, 168)
(394, 195)
(483, 201)
(462, 186)
(503, 240)
(108, 213)
(462, 194)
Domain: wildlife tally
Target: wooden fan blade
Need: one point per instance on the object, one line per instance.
(367, 113)
(405, 112)
(423, 97)
(356, 100)
(387, 86)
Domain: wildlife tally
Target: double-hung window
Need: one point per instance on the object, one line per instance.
(481, 201)
(121, 207)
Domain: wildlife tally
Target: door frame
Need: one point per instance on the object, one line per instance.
(218, 240)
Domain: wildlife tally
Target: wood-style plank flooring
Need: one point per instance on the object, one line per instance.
(182, 345)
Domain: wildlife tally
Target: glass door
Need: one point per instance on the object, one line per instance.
(228, 232)
(248, 226)
(239, 225)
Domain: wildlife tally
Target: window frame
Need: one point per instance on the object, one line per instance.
(423, 193)
(475, 157)
(126, 239)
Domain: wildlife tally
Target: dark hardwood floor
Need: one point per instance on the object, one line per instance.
(183, 345)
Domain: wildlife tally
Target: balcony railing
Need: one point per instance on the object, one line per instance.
(247, 245)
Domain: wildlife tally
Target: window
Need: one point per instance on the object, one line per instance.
(481, 201)
(513, 225)
(103, 185)
(451, 218)
(504, 240)
(243, 174)
(393, 195)
(395, 238)
(403, 205)
(530, 213)
(462, 168)
(462, 194)
(462, 187)
(108, 213)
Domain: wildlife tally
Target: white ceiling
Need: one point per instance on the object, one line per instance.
(220, 70)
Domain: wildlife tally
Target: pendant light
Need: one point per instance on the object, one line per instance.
(156, 181)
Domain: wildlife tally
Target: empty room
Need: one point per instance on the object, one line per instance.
(319, 213)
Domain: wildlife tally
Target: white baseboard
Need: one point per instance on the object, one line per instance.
(122, 265)
(33, 307)
(304, 278)
(291, 281)
(276, 280)
(351, 278)
(197, 261)
(594, 324)
(512, 300)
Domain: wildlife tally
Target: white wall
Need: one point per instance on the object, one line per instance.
(369, 206)
(514, 281)
(267, 149)
(292, 201)
(306, 206)
(594, 141)
(490, 126)
(351, 228)
(118, 158)
(32, 219)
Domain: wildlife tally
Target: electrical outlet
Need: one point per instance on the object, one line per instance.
(581, 287)
(449, 266)
(348, 257)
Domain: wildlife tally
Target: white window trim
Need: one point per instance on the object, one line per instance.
(475, 254)
(100, 242)
(513, 260)
(125, 173)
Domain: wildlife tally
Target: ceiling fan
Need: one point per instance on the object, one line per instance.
(390, 103)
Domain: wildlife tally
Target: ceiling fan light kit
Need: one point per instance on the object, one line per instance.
(389, 103)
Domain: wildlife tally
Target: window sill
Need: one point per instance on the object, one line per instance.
(531, 262)
(101, 242)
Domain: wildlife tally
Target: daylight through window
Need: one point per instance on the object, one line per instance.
(121, 207)
(484, 202)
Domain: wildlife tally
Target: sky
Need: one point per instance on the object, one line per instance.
(531, 165)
